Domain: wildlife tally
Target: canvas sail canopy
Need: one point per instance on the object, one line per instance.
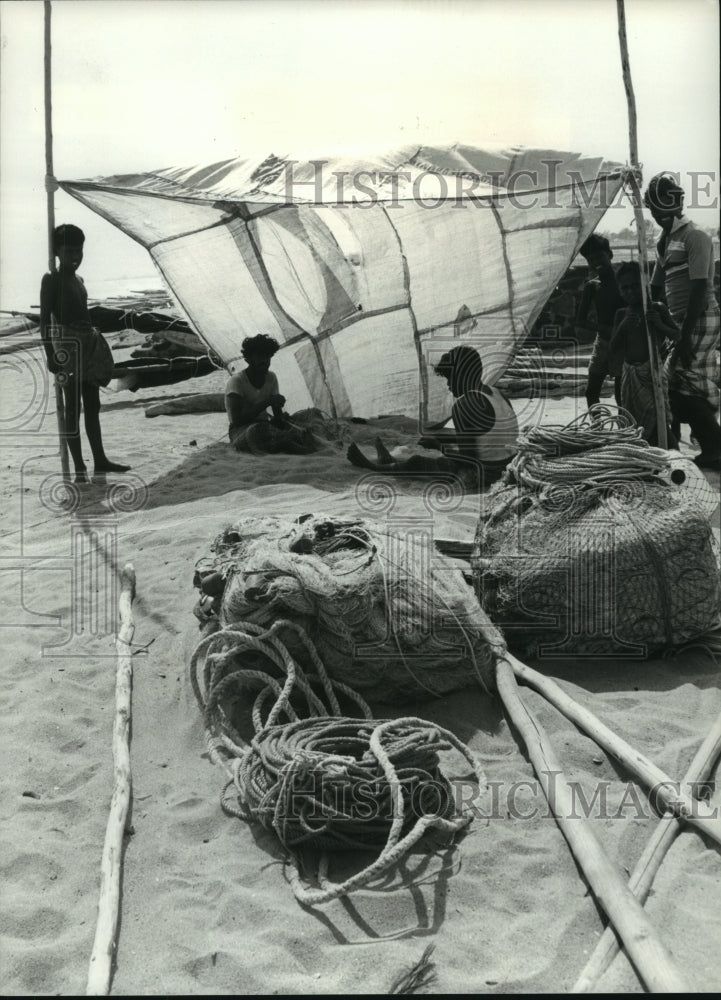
(364, 270)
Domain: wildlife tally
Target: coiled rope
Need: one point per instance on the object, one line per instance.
(313, 775)
(595, 451)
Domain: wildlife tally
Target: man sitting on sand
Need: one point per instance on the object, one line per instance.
(249, 395)
(631, 342)
(484, 434)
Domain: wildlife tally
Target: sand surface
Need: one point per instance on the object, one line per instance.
(206, 906)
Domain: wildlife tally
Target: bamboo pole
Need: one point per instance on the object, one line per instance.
(650, 861)
(101, 959)
(670, 793)
(59, 401)
(654, 359)
(646, 951)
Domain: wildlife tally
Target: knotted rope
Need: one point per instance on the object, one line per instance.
(313, 775)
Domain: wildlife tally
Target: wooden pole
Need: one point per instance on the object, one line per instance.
(654, 358)
(101, 960)
(649, 956)
(650, 861)
(674, 798)
(59, 401)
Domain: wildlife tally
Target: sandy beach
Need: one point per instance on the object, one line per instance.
(206, 905)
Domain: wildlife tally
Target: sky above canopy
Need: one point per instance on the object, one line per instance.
(143, 85)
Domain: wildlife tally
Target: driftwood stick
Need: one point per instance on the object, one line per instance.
(666, 792)
(648, 954)
(650, 861)
(101, 960)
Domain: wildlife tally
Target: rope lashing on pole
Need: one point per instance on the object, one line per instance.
(316, 777)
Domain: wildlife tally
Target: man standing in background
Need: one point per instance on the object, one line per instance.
(600, 292)
(685, 272)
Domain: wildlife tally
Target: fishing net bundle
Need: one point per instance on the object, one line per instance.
(315, 776)
(597, 543)
(370, 613)
(388, 614)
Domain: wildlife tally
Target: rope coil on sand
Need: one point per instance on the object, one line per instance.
(313, 775)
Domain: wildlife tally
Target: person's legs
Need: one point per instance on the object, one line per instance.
(593, 387)
(698, 413)
(384, 456)
(416, 465)
(72, 405)
(356, 457)
(91, 406)
(597, 370)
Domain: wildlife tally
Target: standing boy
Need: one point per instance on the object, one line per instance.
(76, 353)
(600, 292)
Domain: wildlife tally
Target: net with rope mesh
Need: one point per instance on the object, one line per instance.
(389, 615)
(596, 543)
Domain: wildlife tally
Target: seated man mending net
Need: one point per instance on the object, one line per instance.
(248, 396)
(482, 440)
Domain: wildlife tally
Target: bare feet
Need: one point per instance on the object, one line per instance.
(356, 457)
(384, 456)
(108, 466)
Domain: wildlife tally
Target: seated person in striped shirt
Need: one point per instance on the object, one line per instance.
(249, 395)
(482, 440)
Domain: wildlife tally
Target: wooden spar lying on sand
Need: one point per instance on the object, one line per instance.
(650, 861)
(666, 791)
(101, 959)
(648, 954)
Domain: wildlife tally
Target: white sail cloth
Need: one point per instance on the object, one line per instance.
(365, 270)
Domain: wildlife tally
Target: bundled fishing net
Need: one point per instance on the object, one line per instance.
(597, 543)
(389, 615)
(315, 776)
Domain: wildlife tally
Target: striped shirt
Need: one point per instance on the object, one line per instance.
(682, 255)
(685, 254)
(489, 423)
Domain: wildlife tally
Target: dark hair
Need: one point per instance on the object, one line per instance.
(464, 362)
(67, 236)
(663, 192)
(628, 266)
(595, 244)
(262, 345)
